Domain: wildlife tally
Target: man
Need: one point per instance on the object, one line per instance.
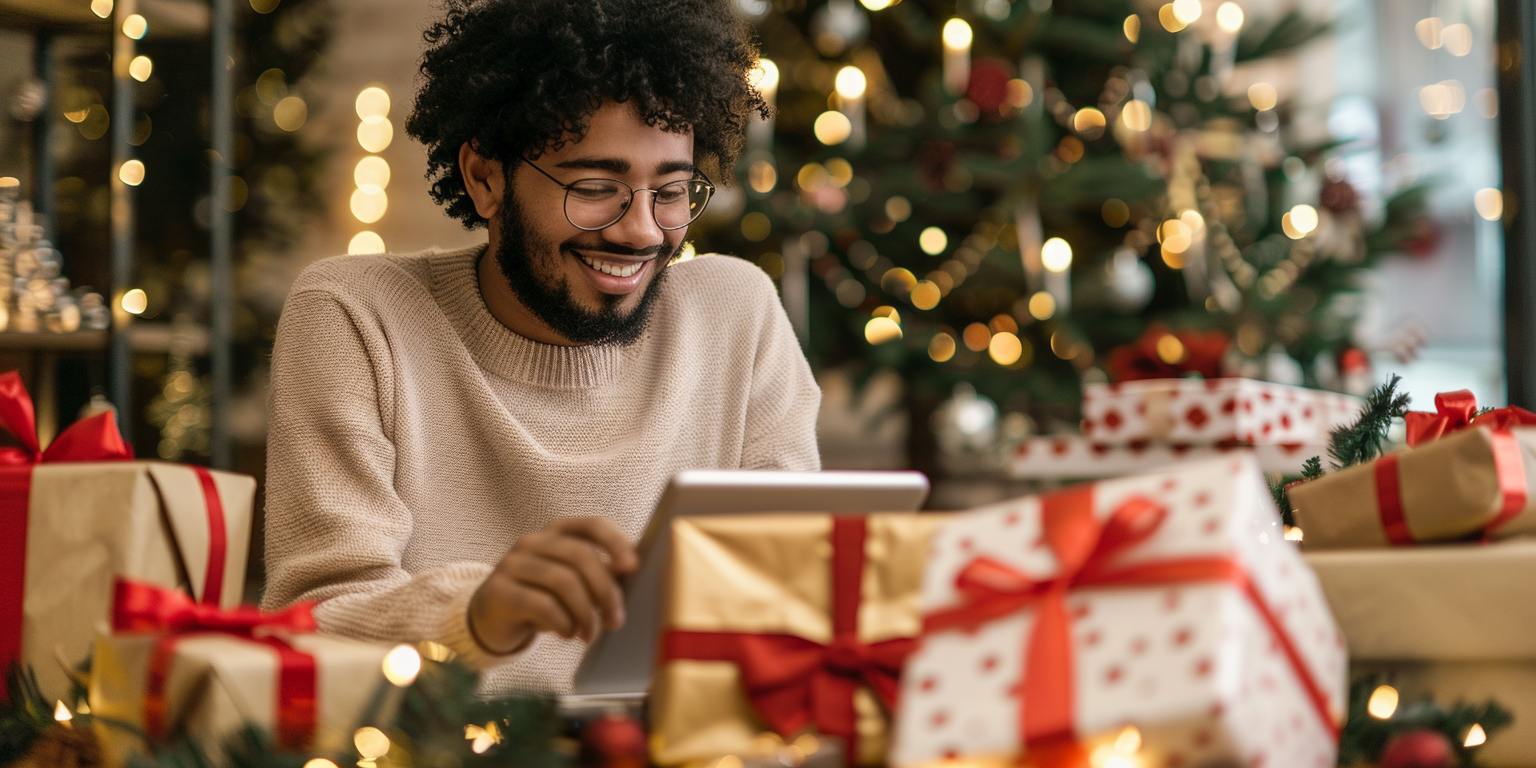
(464, 444)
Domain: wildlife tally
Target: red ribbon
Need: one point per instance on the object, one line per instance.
(138, 607)
(793, 682)
(1085, 550)
(92, 439)
(1455, 411)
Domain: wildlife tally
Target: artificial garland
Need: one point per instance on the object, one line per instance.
(1357, 443)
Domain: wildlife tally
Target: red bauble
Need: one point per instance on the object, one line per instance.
(1354, 360)
(988, 88)
(1418, 749)
(613, 741)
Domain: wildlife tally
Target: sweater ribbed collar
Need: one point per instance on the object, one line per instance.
(497, 349)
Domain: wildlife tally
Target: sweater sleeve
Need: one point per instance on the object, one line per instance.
(335, 528)
(784, 397)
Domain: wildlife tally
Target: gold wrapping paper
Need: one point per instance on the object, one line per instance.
(218, 683)
(772, 574)
(89, 523)
(1449, 490)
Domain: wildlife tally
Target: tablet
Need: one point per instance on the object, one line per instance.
(619, 663)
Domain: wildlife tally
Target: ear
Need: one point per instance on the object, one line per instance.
(483, 180)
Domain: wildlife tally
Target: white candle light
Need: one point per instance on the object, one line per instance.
(851, 85)
(957, 55)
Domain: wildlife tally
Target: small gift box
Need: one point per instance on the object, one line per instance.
(78, 515)
(175, 668)
(1161, 620)
(782, 623)
(1462, 476)
(1075, 457)
(1212, 412)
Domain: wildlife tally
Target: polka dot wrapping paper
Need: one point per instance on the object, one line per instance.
(1076, 457)
(1187, 632)
(1212, 412)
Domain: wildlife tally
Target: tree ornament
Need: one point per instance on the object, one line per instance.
(988, 88)
(1164, 354)
(1129, 281)
(1339, 196)
(1418, 749)
(613, 741)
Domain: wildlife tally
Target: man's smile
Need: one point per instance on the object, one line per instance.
(613, 274)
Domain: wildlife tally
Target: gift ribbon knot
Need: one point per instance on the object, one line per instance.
(1455, 411)
(1086, 551)
(139, 607)
(792, 681)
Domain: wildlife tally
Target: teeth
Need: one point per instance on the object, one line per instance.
(617, 270)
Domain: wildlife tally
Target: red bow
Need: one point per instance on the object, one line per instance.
(793, 682)
(138, 607)
(1085, 550)
(1455, 411)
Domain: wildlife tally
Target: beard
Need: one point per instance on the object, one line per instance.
(532, 268)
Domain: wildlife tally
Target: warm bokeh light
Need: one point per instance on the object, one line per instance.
(369, 207)
(1088, 120)
(933, 241)
(1175, 236)
(319, 762)
(941, 348)
(290, 113)
(1193, 220)
(1457, 39)
(840, 171)
(372, 102)
(898, 208)
(1115, 212)
(925, 295)
(1304, 219)
(371, 743)
(134, 301)
(1429, 31)
(812, 177)
(1383, 702)
(756, 227)
(140, 68)
(765, 76)
(832, 127)
(877, 5)
(135, 27)
(366, 242)
(371, 173)
(880, 330)
(851, 82)
(1443, 99)
(375, 134)
(1128, 741)
(1056, 255)
(401, 665)
(1005, 348)
(1476, 736)
(1489, 203)
(1187, 11)
(1293, 533)
(957, 34)
(1169, 19)
(1136, 115)
(1169, 349)
(102, 8)
(61, 713)
(1263, 96)
(1042, 305)
(1229, 16)
(762, 177)
(131, 173)
(977, 337)
(1132, 28)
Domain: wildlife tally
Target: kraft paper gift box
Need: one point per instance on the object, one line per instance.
(1162, 619)
(174, 669)
(1467, 483)
(1456, 622)
(82, 513)
(1075, 457)
(785, 622)
(1212, 412)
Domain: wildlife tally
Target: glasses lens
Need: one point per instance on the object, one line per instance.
(596, 203)
(679, 203)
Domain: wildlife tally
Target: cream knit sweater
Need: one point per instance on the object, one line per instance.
(414, 438)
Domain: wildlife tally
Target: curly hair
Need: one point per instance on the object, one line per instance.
(521, 77)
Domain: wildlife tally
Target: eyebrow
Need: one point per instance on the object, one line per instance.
(621, 166)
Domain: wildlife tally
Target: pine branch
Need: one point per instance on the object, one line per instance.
(24, 716)
(1364, 736)
(1364, 440)
(1311, 470)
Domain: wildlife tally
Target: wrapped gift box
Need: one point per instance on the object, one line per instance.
(71, 523)
(1212, 412)
(783, 622)
(311, 692)
(1162, 618)
(1457, 623)
(1076, 457)
(1467, 483)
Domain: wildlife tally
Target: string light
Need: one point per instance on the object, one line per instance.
(1429, 31)
(62, 714)
(880, 330)
(102, 8)
(1187, 11)
(941, 348)
(135, 27)
(371, 173)
(1169, 19)
(372, 103)
(366, 242)
(1136, 115)
(1005, 348)
(1476, 736)
(371, 743)
(319, 762)
(369, 207)
(1056, 255)
(1229, 16)
(375, 135)
(140, 68)
(1042, 305)
(134, 301)
(1383, 702)
(401, 665)
(957, 34)
(131, 173)
(832, 127)
(1293, 533)
(933, 241)
(851, 82)
(1489, 203)
(290, 113)
(1263, 96)
(1132, 28)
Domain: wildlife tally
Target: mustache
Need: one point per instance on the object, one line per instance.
(603, 246)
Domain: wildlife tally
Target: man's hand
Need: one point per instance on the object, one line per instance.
(555, 580)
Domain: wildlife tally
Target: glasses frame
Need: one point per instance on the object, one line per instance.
(565, 204)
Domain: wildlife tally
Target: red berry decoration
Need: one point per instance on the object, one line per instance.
(1418, 749)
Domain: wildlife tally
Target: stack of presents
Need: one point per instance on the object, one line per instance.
(1158, 619)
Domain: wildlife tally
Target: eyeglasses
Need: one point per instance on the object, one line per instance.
(594, 204)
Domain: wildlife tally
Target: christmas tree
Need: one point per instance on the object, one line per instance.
(1028, 195)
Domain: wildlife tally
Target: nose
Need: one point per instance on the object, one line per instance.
(637, 228)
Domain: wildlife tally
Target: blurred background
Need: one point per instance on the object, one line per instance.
(971, 207)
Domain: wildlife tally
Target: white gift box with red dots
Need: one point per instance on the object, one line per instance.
(1063, 457)
(1194, 671)
(1193, 412)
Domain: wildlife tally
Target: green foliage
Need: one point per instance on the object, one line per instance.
(1312, 469)
(1364, 440)
(1364, 736)
(23, 716)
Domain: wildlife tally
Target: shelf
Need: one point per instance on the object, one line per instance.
(79, 341)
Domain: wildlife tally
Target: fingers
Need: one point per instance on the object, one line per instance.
(582, 558)
(604, 533)
(564, 583)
